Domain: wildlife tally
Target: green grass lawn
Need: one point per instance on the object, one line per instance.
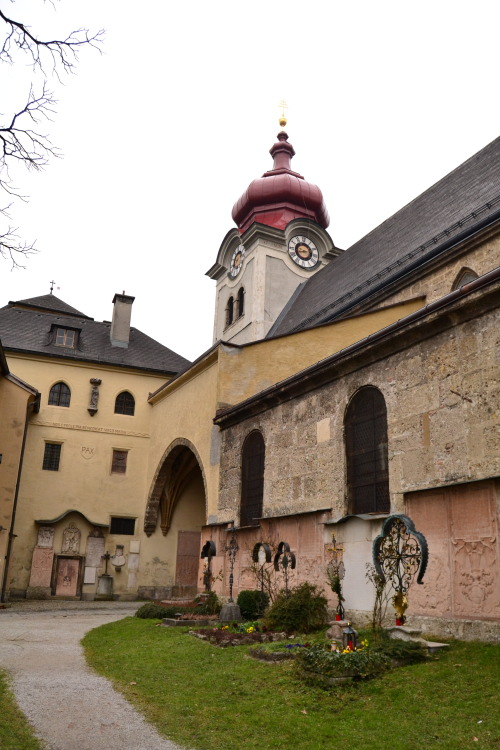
(208, 698)
(15, 732)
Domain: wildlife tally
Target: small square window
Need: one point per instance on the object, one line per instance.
(51, 456)
(65, 337)
(122, 525)
(119, 463)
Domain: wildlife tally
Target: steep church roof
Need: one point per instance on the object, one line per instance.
(456, 206)
(29, 326)
(49, 303)
(280, 195)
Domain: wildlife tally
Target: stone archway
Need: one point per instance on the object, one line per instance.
(177, 505)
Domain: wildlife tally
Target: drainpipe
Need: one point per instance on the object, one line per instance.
(34, 407)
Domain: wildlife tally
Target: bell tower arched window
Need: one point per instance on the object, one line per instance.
(229, 311)
(366, 452)
(252, 479)
(241, 301)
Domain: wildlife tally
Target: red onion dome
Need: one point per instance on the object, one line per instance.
(280, 195)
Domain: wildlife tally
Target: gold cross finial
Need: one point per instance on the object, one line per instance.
(282, 105)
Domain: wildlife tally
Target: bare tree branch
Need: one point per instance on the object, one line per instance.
(21, 141)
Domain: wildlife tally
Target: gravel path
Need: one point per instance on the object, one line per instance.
(70, 707)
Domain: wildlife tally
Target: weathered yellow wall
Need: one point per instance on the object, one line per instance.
(252, 368)
(13, 404)
(84, 481)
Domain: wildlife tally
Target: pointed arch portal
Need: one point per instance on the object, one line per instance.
(177, 503)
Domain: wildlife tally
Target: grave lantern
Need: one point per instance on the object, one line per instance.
(349, 638)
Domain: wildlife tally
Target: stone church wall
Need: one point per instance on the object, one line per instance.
(442, 398)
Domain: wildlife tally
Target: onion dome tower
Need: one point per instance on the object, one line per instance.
(279, 242)
(280, 195)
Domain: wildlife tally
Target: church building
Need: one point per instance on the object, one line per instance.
(341, 387)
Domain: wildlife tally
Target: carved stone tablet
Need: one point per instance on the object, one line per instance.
(46, 537)
(71, 540)
(41, 567)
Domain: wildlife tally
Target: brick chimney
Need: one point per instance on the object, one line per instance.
(120, 325)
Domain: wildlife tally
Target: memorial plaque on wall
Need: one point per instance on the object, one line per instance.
(94, 551)
(41, 567)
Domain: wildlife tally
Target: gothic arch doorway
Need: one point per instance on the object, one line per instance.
(177, 508)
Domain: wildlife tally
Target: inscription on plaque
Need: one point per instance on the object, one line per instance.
(94, 551)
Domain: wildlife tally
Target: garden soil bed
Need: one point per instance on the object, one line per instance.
(190, 620)
(222, 638)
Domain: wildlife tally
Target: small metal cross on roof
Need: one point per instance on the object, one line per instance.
(282, 105)
(52, 284)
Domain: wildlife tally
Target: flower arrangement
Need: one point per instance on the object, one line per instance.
(242, 627)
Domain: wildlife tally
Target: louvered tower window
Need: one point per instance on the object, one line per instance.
(366, 449)
(252, 479)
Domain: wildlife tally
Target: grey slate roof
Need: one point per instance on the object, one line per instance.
(25, 326)
(458, 203)
(50, 302)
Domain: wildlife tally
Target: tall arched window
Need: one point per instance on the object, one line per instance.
(241, 301)
(252, 479)
(125, 404)
(59, 395)
(229, 311)
(366, 452)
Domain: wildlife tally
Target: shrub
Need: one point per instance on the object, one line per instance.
(252, 603)
(211, 605)
(327, 663)
(301, 610)
(151, 611)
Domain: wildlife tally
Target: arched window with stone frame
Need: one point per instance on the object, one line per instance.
(365, 427)
(59, 395)
(463, 277)
(252, 479)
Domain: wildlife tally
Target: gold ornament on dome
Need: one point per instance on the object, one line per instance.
(282, 105)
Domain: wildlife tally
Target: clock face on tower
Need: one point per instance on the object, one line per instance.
(236, 261)
(303, 251)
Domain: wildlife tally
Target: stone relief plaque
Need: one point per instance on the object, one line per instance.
(46, 537)
(71, 540)
(94, 551)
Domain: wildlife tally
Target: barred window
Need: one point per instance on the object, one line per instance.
(125, 404)
(121, 525)
(252, 479)
(366, 452)
(119, 462)
(59, 395)
(51, 456)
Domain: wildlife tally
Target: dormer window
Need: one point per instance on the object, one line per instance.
(65, 337)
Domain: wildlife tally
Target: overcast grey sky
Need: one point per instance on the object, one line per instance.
(164, 130)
